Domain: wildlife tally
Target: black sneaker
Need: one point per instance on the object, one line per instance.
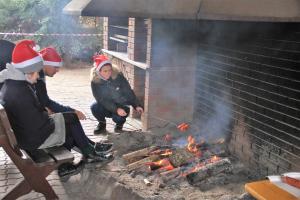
(66, 170)
(99, 157)
(100, 128)
(118, 128)
(103, 147)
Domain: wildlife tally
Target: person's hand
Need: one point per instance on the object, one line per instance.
(121, 112)
(80, 115)
(49, 111)
(139, 109)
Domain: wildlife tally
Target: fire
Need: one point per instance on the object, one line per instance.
(192, 146)
(163, 164)
(165, 152)
(201, 165)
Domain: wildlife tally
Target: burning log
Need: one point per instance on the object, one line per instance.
(171, 173)
(208, 170)
(181, 157)
(132, 156)
(142, 162)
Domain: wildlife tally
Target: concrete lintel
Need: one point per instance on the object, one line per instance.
(75, 7)
(240, 10)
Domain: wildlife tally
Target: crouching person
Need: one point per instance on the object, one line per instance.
(33, 127)
(112, 93)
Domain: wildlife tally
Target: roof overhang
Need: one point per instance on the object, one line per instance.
(240, 10)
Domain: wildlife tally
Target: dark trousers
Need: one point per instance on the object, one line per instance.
(100, 113)
(75, 135)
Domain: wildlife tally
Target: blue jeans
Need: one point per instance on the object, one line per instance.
(100, 113)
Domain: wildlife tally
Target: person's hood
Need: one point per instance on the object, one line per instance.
(11, 73)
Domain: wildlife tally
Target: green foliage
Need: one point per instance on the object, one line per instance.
(45, 16)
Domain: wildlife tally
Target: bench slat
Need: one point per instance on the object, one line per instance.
(39, 157)
(60, 154)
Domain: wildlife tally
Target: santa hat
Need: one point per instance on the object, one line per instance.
(51, 57)
(25, 58)
(100, 61)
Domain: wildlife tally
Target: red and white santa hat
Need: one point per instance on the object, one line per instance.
(25, 58)
(100, 61)
(51, 57)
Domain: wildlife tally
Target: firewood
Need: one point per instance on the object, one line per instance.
(181, 157)
(208, 170)
(171, 173)
(140, 163)
(138, 154)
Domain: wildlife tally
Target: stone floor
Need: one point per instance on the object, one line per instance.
(68, 87)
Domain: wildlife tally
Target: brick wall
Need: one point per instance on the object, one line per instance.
(170, 79)
(252, 71)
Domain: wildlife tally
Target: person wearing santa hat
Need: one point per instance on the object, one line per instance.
(6, 49)
(52, 63)
(113, 95)
(34, 128)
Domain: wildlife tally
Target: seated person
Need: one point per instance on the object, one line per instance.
(34, 128)
(112, 93)
(6, 49)
(52, 65)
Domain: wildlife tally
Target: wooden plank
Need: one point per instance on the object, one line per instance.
(60, 154)
(40, 157)
(265, 190)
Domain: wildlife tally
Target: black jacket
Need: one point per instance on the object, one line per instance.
(31, 124)
(114, 93)
(42, 94)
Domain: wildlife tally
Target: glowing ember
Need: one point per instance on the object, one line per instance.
(183, 127)
(163, 164)
(214, 159)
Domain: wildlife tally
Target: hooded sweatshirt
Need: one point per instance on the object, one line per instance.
(29, 120)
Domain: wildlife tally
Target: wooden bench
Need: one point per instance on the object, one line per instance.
(34, 168)
(265, 190)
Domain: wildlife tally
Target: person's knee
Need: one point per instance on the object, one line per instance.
(94, 107)
(119, 120)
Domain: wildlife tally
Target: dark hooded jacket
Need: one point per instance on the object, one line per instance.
(6, 49)
(29, 120)
(42, 94)
(114, 92)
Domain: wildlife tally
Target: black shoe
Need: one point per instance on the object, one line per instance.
(118, 128)
(103, 147)
(99, 157)
(66, 170)
(100, 128)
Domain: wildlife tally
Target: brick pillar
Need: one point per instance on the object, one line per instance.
(105, 32)
(170, 80)
(137, 39)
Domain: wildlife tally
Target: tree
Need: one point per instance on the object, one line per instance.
(45, 16)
